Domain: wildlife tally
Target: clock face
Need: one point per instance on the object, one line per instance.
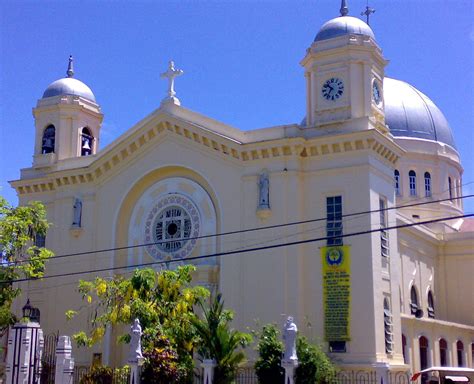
(333, 89)
(376, 93)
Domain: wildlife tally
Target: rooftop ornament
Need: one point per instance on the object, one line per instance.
(171, 74)
(368, 11)
(344, 9)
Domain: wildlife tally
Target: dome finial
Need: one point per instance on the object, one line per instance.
(344, 9)
(70, 68)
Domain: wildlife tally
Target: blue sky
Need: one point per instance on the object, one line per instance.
(240, 58)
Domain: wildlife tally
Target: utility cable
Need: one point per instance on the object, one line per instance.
(220, 254)
(248, 229)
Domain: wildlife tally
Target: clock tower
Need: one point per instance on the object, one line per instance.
(344, 70)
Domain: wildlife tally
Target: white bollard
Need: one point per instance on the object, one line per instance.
(64, 361)
(208, 365)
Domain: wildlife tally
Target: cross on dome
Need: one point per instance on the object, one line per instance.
(171, 74)
(367, 12)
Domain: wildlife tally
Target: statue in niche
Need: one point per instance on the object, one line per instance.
(289, 338)
(264, 191)
(77, 213)
(135, 352)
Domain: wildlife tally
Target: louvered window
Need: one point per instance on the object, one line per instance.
(387, 319)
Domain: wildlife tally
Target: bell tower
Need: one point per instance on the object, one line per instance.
(344, 70)
(67, 121)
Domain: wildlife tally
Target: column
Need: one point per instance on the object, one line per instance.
(64, 361)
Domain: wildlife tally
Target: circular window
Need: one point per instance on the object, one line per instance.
(171, 227)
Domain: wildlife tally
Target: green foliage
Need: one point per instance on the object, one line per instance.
(270, 350)
(162, 301)
(219, 342)
(106, 375)
(314, 367)
(20, 258)
(161, 363)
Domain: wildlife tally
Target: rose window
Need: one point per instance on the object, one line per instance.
(171, 227)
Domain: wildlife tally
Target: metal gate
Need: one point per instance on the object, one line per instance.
(48, 361)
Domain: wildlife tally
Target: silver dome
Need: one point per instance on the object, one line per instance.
(69, 86)
(343, 25)
(410, 113)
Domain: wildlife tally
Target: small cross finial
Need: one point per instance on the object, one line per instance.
(70, 67)
(171, 74)
(368, 11)
(344, 9)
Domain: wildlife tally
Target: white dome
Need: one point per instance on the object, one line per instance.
(410, 113)
(343, 25)
(69, 86)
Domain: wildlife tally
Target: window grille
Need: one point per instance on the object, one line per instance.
(397, 182)
(334, 220)
(412, 182)
(427, 184)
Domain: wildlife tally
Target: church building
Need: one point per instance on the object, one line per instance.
(351, 220)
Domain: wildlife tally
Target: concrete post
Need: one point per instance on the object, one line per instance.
(64, 361)
(381, 371)
(290, 366)
(208, 365)
(25, 347)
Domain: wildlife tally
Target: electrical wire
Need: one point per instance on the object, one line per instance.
(226, 253)
(247, 230)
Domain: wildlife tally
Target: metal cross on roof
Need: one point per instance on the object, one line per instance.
(171, 74)
(367, 12)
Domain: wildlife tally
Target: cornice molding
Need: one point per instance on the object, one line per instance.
(150, 131)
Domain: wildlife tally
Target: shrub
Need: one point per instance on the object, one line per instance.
(161, 363)
(314, 365)
(270, 350)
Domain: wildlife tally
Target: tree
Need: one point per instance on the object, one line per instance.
(162, 301)
(314, 367)
(20, 227)
(219, 341)
(270, 350)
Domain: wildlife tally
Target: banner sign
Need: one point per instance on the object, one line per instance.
(336, 266)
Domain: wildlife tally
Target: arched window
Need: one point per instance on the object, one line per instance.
(396, 176)
(450, 188)
(427, 184)
(412, 182)
(460, 353)
(49, 138)
(387, 319)
(424, 345)
(413, 301)
(87, 141)
(431, 311)
(443, 353)
(404, 349)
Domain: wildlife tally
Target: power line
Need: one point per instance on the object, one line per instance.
(248, 229)
(220, 254)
